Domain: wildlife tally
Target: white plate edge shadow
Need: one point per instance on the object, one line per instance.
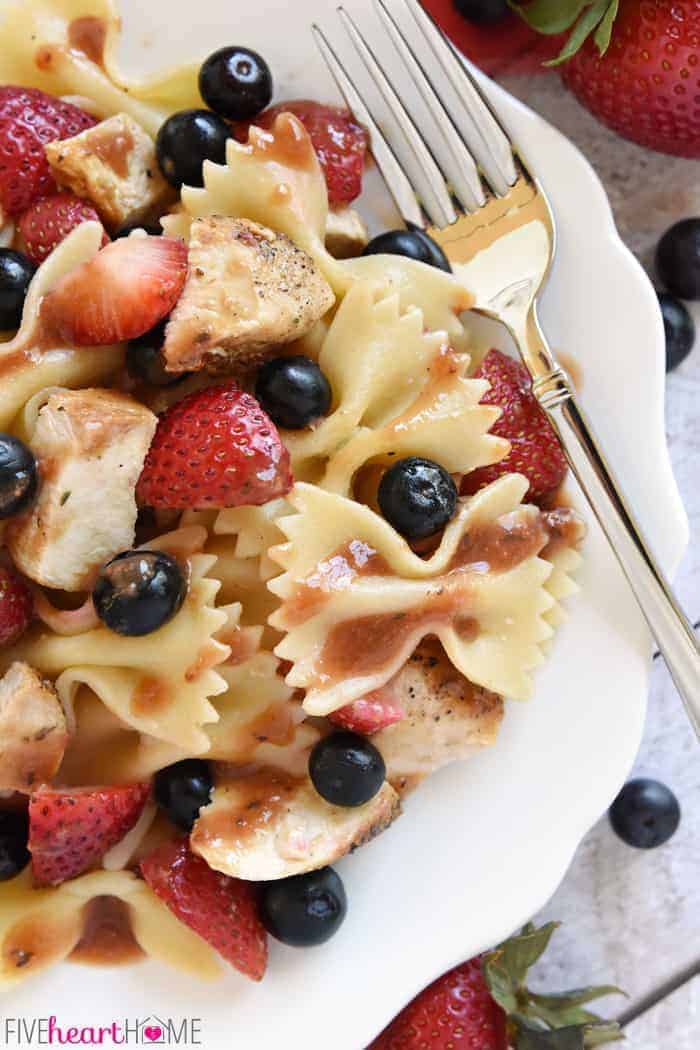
(541, 887)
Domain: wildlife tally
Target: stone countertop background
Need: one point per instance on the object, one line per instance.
(632, 917)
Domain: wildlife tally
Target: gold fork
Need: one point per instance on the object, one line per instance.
(472, 192)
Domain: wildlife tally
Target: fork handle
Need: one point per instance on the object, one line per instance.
(673, 632)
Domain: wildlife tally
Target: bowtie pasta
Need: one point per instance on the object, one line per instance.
(295, 604)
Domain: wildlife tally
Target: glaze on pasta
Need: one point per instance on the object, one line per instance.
(307, 603)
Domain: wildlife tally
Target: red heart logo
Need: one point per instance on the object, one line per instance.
(153, 1032)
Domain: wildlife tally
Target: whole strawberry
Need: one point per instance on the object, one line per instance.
(49, 220)
(219, 908)
(456, 1011)
(215, 448)
(71, 829)
(29, 118)
(16, 606)
(535, 450)
(634, 65)
(484, 1004)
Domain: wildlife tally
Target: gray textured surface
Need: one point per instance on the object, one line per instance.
(633, 917)
(659, 1028)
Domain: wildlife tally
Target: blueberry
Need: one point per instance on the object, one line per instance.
(413, 243)
(417, 496)
(678, 259)
(152, 229)
(483, 12)
(293, 391)
(18, 476)
(16, 272)
(186, 140)
(182, 789)
(138, 591)
(236, 83)
(14, 833)
(645, 814)
(346, 769)
(304, 910)
(144, 359)
(680, 330)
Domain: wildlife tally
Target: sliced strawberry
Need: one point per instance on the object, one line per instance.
(16, 606)
(370, 713)
(215, 448)
(219, 908)
(50, 219)
(535, 450)
(71, 829)
(29, 118)
(119, 294)
(340, 143)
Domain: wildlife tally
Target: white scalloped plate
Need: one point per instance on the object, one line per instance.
(483, 844)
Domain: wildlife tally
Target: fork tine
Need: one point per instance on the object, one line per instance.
(429, 180)
(397, 182)
(482, 132)
(459, 166)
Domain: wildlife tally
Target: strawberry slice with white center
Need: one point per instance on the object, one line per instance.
(369, 714)
(119, 294)
(71, 829)
(221, 909)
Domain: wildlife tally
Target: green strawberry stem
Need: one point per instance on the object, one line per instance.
(543, 1022)
(572, 1038)
(583, 17)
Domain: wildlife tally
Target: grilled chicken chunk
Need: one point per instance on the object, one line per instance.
(90, 445)
(346, 233)
(113, 165)
(248, 287)
(33, 733)
(269, 825)
(446, 718)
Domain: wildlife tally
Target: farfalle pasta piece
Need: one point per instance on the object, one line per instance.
(58, 47)
(242, 576)
(440, 296)
(567, 532)
(445, 423)
(379, 361)
(274, 179)
(35, 359)
(258, 720)
(160, 685)
(104, 749)
(255, 530)
(356, 600)
(40, 927)
(242, 580)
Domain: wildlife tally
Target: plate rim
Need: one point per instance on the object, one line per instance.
(559, 858)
